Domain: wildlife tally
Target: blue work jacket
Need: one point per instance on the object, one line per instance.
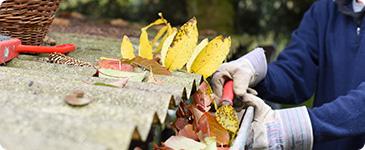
(325, 58)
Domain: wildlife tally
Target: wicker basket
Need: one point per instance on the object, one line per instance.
(27, 20)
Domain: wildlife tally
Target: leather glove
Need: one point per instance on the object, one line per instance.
(246, 71)
(279, 129)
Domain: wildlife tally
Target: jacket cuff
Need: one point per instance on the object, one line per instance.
(297, 128)
(257, 60)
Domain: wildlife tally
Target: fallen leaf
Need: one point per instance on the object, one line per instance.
(151, 65)
(145, 47)
(227, 117)
(202, 97)
(183, 143)
(159, 35)
(196, 52)
(211, 128)
(202, 100)
(115, 64)
(183, 111)
(151, 79)
(126, 48)
(196, 114)
(105, 84)
(166, 45)
(122, 83)
(116, 74)
(170, 31)
(180, 123)
(77, 98)
(211, 57)
(205, 86)
(188, 131)
(182, 46)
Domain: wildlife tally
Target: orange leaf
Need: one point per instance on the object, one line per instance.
(211, 128)
(188, 132)
(151, 65)
(196, 114)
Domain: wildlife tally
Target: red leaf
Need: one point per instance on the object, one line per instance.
(188, 132)
(202, 98)
(180, 123)
(115, 64)
(182, 111)
(205, 87)
(210, 127)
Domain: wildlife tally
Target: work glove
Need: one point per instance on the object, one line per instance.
(246, 72)
(279, 129)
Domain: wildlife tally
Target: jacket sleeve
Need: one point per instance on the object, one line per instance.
(341, 118)
(292, 78)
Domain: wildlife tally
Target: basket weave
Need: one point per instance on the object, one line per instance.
(27, 20)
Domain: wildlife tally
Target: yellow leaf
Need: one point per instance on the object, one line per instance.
(212, 56)
(227, 117)
(196, 52)
(170, 31)
(159, 21)
(159, 34)
(165, 47)
(182, 46)
(126, 48)
(145, 47)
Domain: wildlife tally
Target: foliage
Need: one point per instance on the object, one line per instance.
(183, 45)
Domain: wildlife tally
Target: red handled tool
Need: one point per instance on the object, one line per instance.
(228, 94)
(244, 129)
(11, 47)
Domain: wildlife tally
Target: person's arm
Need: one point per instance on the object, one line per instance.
(344, 117)
(292, 77)
(299, 127)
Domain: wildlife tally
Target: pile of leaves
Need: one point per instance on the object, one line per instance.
(177, 49)
(197, 125)
(170, 49)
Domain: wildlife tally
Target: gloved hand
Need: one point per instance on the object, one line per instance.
(245, 71)
(279, 129)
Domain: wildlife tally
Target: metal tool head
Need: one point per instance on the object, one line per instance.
(4, 38)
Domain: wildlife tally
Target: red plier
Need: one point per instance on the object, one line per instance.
(11, 47)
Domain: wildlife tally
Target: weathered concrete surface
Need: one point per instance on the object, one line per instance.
(33, 111)
(169, 84)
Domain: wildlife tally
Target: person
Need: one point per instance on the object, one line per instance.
(325, 58)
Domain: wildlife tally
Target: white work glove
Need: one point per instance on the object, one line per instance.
(246, 72)
(279, 129)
